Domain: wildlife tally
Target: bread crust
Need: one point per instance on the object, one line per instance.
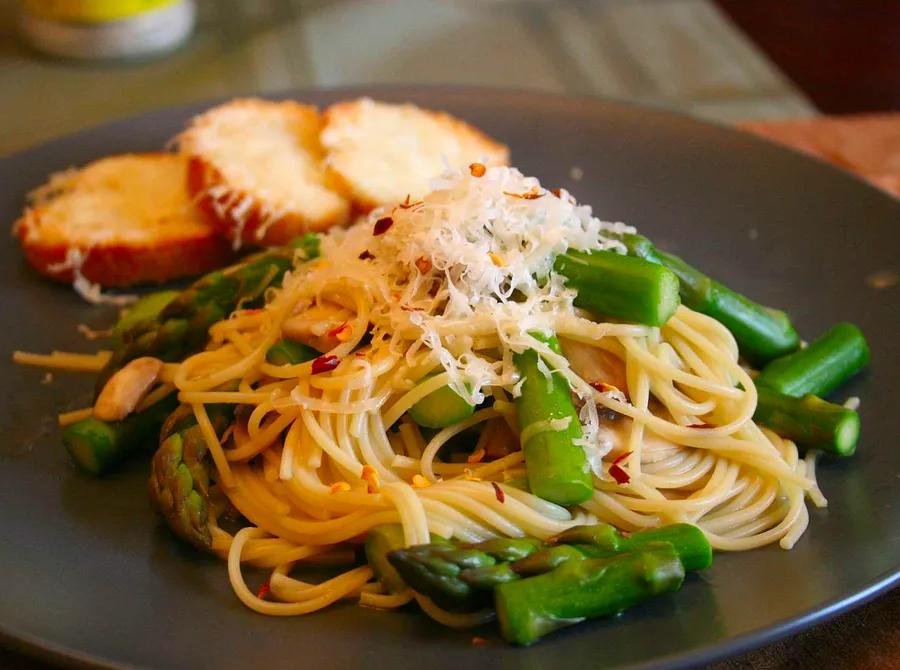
(177, 243)
(242, 212)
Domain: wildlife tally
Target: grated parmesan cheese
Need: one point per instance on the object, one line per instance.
(89, 291)
(473, 258)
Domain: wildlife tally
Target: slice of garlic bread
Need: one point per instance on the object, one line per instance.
(382, 152)
(255, 166)
(120, 221)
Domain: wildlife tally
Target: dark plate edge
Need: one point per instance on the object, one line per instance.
(62, 656)
(358, 90)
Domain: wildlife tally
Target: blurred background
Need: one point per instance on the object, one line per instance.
(725, 60)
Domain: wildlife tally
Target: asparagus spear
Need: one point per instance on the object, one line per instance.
(821, 367)
(809, 421)
(181, 327)
(579, 590)
(441, 408)
(762, 333)
(382, 540)
(288, 352)
(622, 287)
(461, 577)
(97, 446)
(599, 540)
(308, 244)
(557, 467)
(179, 475)
(145, 309)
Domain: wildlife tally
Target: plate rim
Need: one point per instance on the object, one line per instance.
(46, 650)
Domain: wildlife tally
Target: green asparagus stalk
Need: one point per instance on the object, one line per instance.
(180, 473)
(180, 329)
(307, 244)
(145, 309)
(599, 540)
(461, 577)
(96, 446)
(621, 287)
(441, 408)
(531, 608)
(288, 352)
(762, 333)
(820, 368)
(557, 468)
(381, 541)
(809, 421)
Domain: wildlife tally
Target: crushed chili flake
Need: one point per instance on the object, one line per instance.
(477, 169)
(366, 255)
(476, 456)
(423, 265)
(533, 194)
(496, 260)
(702, 424)
(478, 641)
(406, 204)
(603, 387)
(617, 472)
(420, 482)
(556, 192)
(342, 333)
(498, 492)
(325, 364)
(370, 476)
(339, 487)
(264, 589)
(382, 225)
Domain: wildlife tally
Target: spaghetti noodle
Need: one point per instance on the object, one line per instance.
(446, 293)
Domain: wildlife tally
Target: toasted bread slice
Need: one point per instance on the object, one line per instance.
(381, 152)
(120, 221)
(256, 167)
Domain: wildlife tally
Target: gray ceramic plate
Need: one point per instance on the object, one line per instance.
(90, 576)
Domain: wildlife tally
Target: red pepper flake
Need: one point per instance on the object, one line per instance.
(366, 255)
(702, 424)
(556, 192)
(382, 225)
(406, 204)
(370, 476)
(498, 492)
(617, 472)
(423, 265)
(478, 641)
(264, 590)
(477, 169)
(603, 387)
(325, 364)
(342, 333)
(533, 194)
(476, 456)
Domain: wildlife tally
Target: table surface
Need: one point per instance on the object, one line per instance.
(681, 54)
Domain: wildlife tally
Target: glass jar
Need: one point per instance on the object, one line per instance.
(100, 29)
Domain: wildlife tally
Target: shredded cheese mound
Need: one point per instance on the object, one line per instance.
(473, 259)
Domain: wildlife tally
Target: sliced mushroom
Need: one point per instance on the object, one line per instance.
(126, 388)
(322, 326)
(595, 365)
